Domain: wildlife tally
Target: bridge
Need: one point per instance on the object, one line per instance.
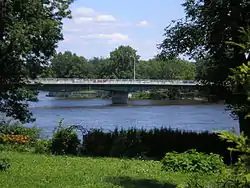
(119, 87)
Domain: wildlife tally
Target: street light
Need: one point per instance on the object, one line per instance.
(134, 66)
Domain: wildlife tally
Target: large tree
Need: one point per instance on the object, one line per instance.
(203, 35)
(29, 32)
(122, 61)
(69, 65)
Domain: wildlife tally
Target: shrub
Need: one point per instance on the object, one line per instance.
(152, 144)
(13, 139)
(17, 130)
(4, 164)
(43, 146)
(15, 147)
(192, 161)
(239, 173)
(65, 141)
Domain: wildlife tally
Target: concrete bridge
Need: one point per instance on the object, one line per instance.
(119, 87)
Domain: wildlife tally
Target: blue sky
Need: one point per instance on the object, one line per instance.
(100, 26)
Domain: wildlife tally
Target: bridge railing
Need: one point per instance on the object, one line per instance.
(112, 81)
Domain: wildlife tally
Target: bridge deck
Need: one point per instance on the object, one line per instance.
(76, 81)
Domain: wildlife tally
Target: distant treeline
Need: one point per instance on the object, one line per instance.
(120, 65)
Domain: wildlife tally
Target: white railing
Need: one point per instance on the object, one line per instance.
(77, 81)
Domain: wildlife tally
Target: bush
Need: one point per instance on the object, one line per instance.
(192, 161)
(19, 132)
(17, 148)
(65, 141)
(4, 164)
(13, 139)
(152, 144)
(43, 146)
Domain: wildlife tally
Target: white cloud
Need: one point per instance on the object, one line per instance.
(105, 18)
(113, 36)
(84, 11)
(143, 23)
(84, 14)
(83, 19)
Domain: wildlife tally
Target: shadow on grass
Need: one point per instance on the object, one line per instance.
(128, 182)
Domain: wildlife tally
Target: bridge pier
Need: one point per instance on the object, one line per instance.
(119, 97)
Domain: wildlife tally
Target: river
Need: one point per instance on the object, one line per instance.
(98, 113)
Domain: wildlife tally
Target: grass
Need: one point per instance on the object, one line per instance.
(31, 170)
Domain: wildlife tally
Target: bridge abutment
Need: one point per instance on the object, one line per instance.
(119, 97)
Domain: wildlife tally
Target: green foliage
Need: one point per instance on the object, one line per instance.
(122, 61)
(203, 35)
(242, 145)
(64, 141)
(240, 83)
(43, 146)
(239, 175)
(144, 144)
(120, 65)
(171, 94)
(172, 69)
(245, 38)
(141, 95)
(68, 65)
(32, 133)
(16, 148)
(234, 178)
(193, 162)
(29, 33)
(241, 141)
(4, 164)
(195, 181)
(161, 94)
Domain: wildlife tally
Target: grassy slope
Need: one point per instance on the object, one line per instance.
(31, 170)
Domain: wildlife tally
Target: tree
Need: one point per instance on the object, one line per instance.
(69, 65)
(99, 67)
(203, 34)
(240, 80)
(122, 61)
(172, 69)
(29, 32)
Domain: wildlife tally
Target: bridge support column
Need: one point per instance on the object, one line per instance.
(119, 97)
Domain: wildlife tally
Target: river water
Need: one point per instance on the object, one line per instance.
(98, 113)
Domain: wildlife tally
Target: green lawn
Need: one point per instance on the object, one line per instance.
(33, 171)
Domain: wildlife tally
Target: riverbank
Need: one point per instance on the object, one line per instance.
(86, 94)
(142, 95)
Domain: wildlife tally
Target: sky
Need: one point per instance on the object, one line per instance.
(100, 26)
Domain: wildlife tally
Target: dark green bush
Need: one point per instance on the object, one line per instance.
(32, 133)
(192, 161)
(65, 141)
(152, 144)
(43, 146)
(4, 164)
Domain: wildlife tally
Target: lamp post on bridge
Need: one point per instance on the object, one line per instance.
(134, 66)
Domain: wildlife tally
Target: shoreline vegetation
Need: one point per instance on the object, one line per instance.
(145, 95)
